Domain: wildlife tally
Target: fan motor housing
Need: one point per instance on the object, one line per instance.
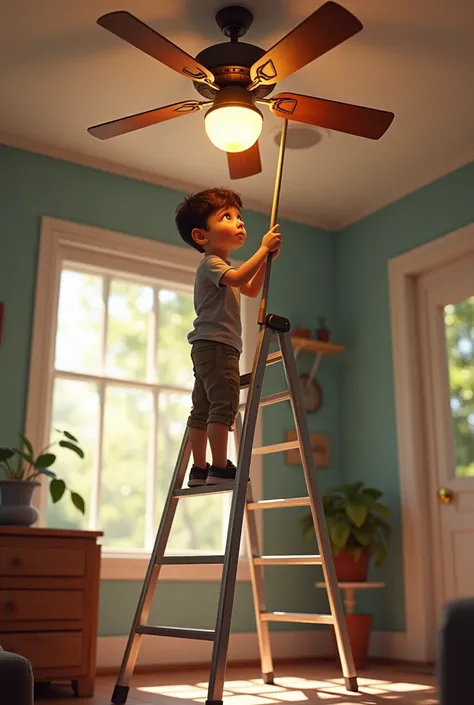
(230, 63)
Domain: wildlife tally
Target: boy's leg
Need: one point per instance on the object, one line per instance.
(222, 387)
(198, 437)
(218, 434)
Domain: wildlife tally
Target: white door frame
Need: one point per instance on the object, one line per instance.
(420, 617)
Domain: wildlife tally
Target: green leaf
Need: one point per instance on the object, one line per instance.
(56, 489)
(6, 454)
(78, 502)
(45, 461)
(375, 494)
(363, 537)
(43, 471)
(71, 446)
(382, 509)
(27, 443)
(28, 458)
(70, 436)
(381, 553)
(357, 512)
(340, 534)
(357, 552)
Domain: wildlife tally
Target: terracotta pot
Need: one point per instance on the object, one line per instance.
(359, 627)
(322, 334)
(350, 571)
(300, 333)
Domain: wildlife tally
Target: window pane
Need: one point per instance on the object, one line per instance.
(199, 521)
(127, 423)
(175, 320)
(130, 309)
(79, 323)
(75, 409)
(459, 325)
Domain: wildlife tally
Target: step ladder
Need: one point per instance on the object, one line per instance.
(242, 505)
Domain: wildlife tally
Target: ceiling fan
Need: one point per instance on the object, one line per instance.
(234, 76)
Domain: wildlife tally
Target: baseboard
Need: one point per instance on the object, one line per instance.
(286, 645)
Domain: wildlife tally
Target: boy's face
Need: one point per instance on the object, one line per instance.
(225, 232)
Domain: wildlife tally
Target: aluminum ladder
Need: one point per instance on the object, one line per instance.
(244, 505)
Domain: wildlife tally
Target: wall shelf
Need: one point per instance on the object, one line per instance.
(316, 347)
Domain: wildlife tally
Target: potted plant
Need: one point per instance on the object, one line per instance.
(322, 333)
(358, 529)
(21, 468)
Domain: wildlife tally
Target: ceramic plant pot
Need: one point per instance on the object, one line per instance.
(16, 507)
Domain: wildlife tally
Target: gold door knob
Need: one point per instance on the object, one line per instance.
(445, 495)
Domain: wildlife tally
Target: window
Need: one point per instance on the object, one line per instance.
(114, 329)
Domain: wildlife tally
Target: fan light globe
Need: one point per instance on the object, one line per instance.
(233, 128)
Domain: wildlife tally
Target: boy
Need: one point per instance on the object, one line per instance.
(211, 222)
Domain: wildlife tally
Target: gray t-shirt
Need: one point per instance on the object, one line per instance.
(217, 306)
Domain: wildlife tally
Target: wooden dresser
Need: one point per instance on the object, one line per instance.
(49, 591)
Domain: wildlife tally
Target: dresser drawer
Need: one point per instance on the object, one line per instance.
(40, 605)
(41, 561)
(46, 650)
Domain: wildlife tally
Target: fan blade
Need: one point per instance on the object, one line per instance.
(329, 26)
(343, 117)
(143, 37)
(243, 164)
(106, 130)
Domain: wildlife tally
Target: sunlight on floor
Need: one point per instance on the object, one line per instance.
(295, 690)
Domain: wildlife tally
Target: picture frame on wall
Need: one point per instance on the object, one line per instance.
(320, 446)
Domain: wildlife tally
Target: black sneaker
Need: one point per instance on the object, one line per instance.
(198, 476)
(217, 475)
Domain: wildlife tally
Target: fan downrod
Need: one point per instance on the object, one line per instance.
(234, 21)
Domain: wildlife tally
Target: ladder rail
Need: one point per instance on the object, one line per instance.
(257, 580)
(317, 512)
(229, 573)
(151, 577)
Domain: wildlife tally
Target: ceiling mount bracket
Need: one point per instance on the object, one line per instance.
(234, 21)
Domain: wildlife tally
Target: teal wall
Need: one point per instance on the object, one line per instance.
(366, 394)
(32, 186)
(342, 276)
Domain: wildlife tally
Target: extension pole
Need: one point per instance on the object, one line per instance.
(276, 198)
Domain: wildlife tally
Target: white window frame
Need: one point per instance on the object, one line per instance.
(65, 242)
(418, 567)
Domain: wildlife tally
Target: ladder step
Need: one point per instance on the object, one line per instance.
(190, 560)
(288, 560)
(297, 617)
(271, 359)
(289, 445)
(205, 489)
(279, 503)
(270, 399)
(179, 632)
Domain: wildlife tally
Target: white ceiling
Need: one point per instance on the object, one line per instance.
(60, 73)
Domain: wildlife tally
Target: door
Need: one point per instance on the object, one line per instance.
(445, 299)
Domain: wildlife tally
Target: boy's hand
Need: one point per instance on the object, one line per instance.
(272, 240)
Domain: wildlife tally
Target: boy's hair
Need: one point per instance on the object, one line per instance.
(195, 210)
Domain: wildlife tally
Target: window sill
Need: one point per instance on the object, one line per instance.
(127, 567)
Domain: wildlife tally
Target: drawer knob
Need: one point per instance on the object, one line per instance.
(10, 606)
(16, 561)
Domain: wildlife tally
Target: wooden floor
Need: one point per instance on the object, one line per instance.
(319, 684)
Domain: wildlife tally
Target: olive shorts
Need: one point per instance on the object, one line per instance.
(217, 384)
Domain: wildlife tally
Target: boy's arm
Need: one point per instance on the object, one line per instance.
(238, 278)
(253, 288)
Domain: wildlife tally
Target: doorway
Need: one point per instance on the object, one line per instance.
(445, 310)
(426, 557)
